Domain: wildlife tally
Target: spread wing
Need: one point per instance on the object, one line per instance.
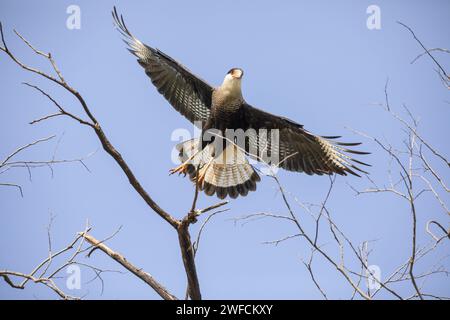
(298, 150)
(187, 93)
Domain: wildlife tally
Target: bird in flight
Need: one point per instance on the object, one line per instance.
(233, 130)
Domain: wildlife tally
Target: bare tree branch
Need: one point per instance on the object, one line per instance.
(424, 48)
(6, 184)
(144, 276)
(23, 148)
(428, 51)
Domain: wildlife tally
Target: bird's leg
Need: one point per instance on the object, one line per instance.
(182, 168)
(202, 172)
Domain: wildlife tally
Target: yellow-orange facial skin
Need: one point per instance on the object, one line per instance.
(237, 73)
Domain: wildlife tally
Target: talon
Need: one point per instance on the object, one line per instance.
(182, 168)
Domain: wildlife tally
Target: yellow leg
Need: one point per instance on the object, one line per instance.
(182, 168)
(202, 172)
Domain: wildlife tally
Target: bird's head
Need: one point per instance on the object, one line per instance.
(232, 81)
(236, 73)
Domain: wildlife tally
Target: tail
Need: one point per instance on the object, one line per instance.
(227, 173)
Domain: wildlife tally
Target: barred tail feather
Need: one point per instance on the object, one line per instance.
(227, 174)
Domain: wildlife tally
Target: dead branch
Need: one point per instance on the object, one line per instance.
(144, 276)
(424, 48)
(10, 162)
(409, 178)
(77, 247)
(315, 246)
(44, 278)
(308, 265)
(5, 274)
(428, 51)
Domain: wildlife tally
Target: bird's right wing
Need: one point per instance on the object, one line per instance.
(187, 93)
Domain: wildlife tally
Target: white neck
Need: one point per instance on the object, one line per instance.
(231, 86)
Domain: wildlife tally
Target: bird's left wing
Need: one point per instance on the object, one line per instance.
(187, 93)
(297, 149)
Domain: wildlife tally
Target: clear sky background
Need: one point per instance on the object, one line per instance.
(315, 62)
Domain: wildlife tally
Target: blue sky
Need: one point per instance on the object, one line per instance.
(315, 62)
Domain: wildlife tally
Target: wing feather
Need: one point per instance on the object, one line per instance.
(300, 150)
(187, 93)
